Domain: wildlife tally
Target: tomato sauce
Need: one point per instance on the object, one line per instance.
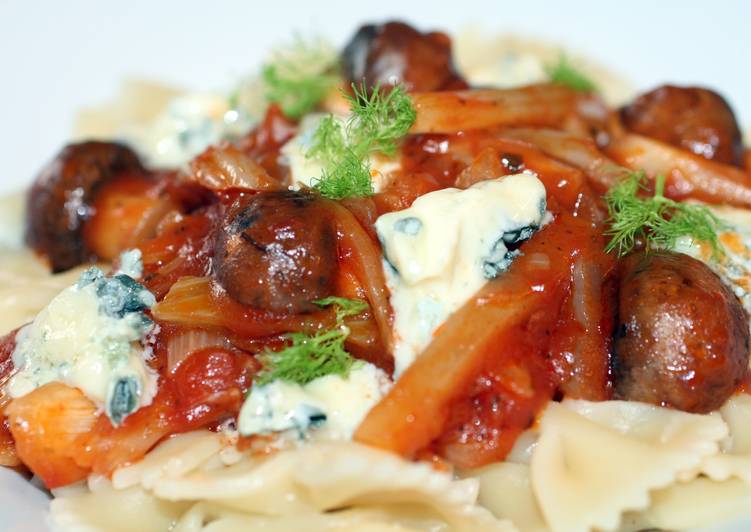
(8, 455)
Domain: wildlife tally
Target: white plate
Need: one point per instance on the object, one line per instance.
(57, 57)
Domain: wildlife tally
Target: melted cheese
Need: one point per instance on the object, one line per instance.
(332, 405)
(446, 246)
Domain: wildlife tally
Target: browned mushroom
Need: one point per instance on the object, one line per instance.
(60, 200)
(695, 119)
(395, 52)
(682, 339)
(277, 251)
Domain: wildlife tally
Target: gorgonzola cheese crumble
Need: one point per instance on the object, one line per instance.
(192, 122)
(187, 126)
(735, 266)
(333, 405)
(305, 170)
(92, 336)
(446, 246)
(514, 68)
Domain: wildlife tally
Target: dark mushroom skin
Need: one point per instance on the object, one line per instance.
(277, 251)
(682, 335)
(59, 202)
(694, 119)
(395, 52)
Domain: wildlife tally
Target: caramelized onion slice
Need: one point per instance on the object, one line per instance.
(687, 175)
(226, 167)
(184, 343)
(366, 259)
(575, 150)
(450, 111)
(201, 302)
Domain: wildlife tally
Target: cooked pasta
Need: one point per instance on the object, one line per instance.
(185, 483)
(396, 288)
(595, 461)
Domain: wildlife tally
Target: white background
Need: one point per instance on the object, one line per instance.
(58, 56)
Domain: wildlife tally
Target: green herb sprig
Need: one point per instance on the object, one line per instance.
(564, 73)
(310, 356)
(657, 221)
(299, 77)
(343, 307)
(378, 121)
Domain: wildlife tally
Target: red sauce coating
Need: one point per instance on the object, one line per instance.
(483, 427)
(8, 455)
(183, 247)
(264, 141)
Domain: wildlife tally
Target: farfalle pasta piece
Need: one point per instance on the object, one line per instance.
(700, 503)
(206, 517)
(593, 461)
(521, 452)
(197, 481)
(26, 287)
(735, 460)
(330, 476)
(112, 510)
(506, 490)
(172, 459)
(736, 413)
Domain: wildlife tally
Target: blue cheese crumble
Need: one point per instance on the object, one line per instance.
(734, 267)
(329, 407)
(131, 264)
(446, 246)
(187, 126)
(93, 336)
